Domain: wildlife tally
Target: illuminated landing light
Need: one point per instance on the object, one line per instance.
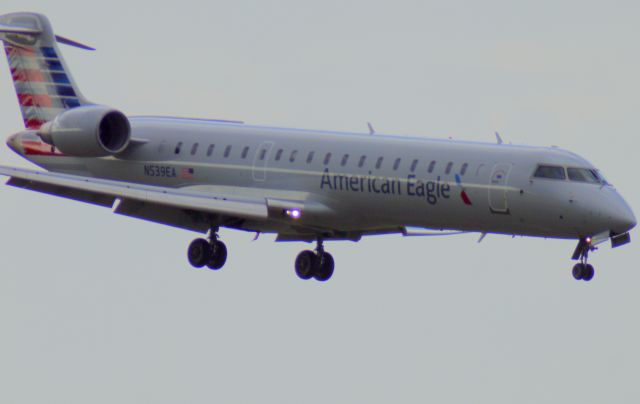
(588, 240)
(293, 213)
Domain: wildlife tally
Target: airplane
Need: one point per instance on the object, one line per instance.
(302, 185)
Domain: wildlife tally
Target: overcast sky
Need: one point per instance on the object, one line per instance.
(97, 308)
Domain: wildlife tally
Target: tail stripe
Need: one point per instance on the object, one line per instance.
(35, 100)
(60, 78)
(16, 52)
(65, 91)
(26, 75)
(53, 65)
(43, 86)
(45, 113)
(70, 102)
(49, 52)
(33, 123)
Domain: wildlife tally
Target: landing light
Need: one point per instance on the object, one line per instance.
(293, 213)
(588, 240)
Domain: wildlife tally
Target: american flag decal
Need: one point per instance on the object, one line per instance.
(186, 173)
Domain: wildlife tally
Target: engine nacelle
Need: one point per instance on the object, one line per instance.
(89, 131)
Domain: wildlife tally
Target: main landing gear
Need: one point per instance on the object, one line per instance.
(212, 252)
(318, 264)
(583, 270)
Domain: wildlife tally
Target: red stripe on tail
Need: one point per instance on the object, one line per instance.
(35, 100)
(13, 51)
(33, 123)
(26, 75)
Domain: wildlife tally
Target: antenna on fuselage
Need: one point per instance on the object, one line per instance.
(371, 130)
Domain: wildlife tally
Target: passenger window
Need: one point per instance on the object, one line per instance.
(361, 162)
(327, 159)
(379, 163)
(210, 149)
(345, 158)
(396, 164)
(194, 149)
(292, 158)
(449, 167)
(227, 151)
(178, 147)
(414, 165)
(582, 175)
(551, 172)
(263, 153)
(245, 151)
(278, 154)
(310, 157)
(463, 170)
(432, 166)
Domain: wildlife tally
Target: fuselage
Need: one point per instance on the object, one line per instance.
(360, 183)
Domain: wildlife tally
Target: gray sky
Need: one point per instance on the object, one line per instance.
(99, 308)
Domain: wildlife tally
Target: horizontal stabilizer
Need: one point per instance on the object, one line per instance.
(9, 29)
(20, 30)
(71, 42)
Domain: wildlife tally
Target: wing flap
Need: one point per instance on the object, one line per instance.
(86, 189)
(69, 193)
(166, 215)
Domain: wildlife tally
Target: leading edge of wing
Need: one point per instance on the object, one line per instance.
(179, 198)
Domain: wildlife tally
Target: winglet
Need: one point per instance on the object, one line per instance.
(498, 138)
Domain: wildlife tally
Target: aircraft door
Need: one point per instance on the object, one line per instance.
(498, 202)
(260, 161)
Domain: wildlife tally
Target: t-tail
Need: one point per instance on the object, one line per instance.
(42, 81)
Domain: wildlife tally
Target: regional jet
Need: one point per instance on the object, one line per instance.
(301, 185)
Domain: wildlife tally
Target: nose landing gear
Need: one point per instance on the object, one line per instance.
(212, 252)
(583, 270)
(318, 264)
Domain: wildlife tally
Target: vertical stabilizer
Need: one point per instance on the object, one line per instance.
(40, 76)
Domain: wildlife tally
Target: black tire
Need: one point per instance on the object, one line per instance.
(324, 268)
(578, 271)
(199, 252)
(588, 272)
(218, 255)
(306, 264)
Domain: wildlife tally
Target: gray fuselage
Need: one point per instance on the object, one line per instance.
(358, 184)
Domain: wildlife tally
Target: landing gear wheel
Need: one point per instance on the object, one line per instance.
(588, 272)
(306, 264)
(199, 252)
(324, 268)
(578, 271)
(583, 270)
(218, 255)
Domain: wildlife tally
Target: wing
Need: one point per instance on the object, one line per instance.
(177, 207)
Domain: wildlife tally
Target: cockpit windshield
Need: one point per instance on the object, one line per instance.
(576, 174)
(551, 172)
(583, 175)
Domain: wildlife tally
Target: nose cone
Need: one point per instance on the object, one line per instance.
(621, 217)
(626, 220)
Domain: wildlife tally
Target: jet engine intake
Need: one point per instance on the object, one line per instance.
(88, 131)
